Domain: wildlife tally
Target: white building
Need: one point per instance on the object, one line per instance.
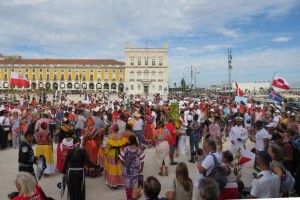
(146, 70)
(247, 88)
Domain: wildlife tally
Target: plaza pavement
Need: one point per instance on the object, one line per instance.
(96, 189)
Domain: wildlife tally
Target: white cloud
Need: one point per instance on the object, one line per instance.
(281, 39)
(180, 48)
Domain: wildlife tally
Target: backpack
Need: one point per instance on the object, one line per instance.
(218, 174)
(288, 181)
(295, 143)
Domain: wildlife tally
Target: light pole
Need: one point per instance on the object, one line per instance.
(80, 76)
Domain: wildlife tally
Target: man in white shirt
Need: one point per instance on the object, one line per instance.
(209, 147)
(182, 138)
(262, 137)
(266, 184)
(276, 117)
(238, 135)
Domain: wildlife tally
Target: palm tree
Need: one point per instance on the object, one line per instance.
(183, 85)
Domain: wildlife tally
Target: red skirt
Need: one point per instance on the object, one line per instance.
(59, 163)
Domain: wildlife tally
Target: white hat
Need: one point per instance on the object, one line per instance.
(277, 111)
(271, 125)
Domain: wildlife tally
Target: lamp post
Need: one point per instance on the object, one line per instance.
(80, 76)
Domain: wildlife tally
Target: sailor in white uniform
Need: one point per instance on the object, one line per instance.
(238, 135)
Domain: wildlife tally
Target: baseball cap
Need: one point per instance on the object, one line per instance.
(271, 125)
(276, 136)
(264, 155)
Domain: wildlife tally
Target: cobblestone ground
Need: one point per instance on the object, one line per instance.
(95, 187)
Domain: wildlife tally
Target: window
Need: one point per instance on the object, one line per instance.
(113, 76)
(131, 87)
(114, 71)
(41, 70)
(106, 70)
(160, 87)
(26, 70)
(160, 76)
(99, 76)
(146, 74)
(12, 70)
(139, 75)
(55, 70)
(160, 62)
(99, 71)
(70, 77)
(121, 70)
(33, 77)
(5, 76)
(41, 77)
(153, 75)
(153, 62)
(48, 77)
(33, 70)
(146, 61)
(91, 71)
(131, 61)
(139, 62)
(131, 75)
(54, 77)
(106, 76)
(70, 70)
(91, 77)
(62, 77)
(62, 71)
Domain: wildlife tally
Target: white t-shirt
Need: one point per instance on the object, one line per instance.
(260, 136)
(267, 186)
(198, 179)
(208, 163)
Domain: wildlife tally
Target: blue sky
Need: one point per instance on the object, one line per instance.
(264, 35)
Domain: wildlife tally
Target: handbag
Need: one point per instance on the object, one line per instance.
(44, 195)
(9, 137)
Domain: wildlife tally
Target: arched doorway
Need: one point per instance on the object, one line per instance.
(84, 86)
(106, 87)
(48, 86)
(41, 85)
(5, 85)
(121, 87)
(55, 86)
(69, 86)
(91, 86)
(33, 85)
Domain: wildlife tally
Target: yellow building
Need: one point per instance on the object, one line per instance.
(66, 74)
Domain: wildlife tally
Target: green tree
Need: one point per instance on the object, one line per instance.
(183, 85)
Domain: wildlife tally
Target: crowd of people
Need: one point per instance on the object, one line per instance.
(109, 138)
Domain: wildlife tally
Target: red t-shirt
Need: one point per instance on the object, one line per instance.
(172, 130)
(37, 195)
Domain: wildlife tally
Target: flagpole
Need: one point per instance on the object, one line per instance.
(272, 80)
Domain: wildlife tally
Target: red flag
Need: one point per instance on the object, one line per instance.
(238, 91)
(280, 82)
(17, 79)
(246, 156)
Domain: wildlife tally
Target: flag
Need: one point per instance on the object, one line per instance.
(246, 156)
(17, 79)
(280, 82)
(275, 96)
(238, 91)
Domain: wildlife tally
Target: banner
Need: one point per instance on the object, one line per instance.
(239, 99)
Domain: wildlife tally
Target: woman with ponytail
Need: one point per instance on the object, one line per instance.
(74, 170)
(132, 158)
